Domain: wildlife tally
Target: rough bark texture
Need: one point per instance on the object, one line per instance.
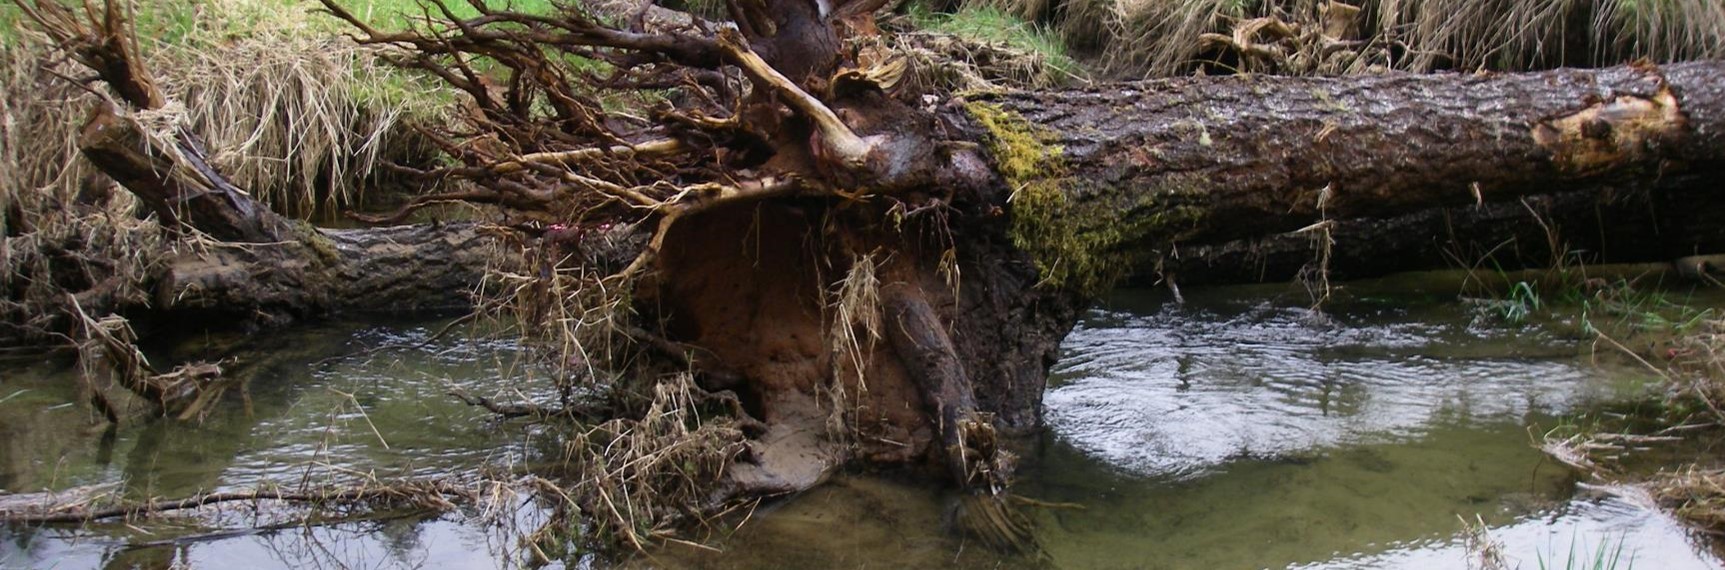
(1008, 330)
(1680, 217)
(392, 269)
(266, 268)
(1143, 167)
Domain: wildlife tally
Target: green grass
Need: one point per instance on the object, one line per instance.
(179, 21)
(391, 14)
(10, 18)
(992, 25)
(1641, 310)
(1523, 301)
(1606, 556)
(1620, 307)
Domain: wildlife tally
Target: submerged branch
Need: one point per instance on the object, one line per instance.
(45, 509)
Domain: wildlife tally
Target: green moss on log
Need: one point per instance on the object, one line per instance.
(312, 238)
(1087, 245)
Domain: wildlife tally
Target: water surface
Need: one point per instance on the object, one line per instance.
(1239, 430)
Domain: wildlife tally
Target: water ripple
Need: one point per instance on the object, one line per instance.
(1180, 390)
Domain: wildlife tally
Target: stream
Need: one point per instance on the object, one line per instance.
(1239, 430)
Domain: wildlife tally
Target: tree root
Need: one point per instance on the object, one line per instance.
(996, 522)
(972, 454)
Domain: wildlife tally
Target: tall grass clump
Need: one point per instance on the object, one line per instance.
(295, 113)
(302, 122)
(1145, 38)
(1521, 34)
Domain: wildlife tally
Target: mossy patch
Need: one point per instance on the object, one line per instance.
(1084, 245)
(314, 239)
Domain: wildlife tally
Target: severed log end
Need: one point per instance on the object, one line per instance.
(1605, 135)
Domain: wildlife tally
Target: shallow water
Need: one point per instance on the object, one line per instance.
(1231, 432)
(384, 413)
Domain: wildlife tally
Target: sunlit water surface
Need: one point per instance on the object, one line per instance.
(1236, 431)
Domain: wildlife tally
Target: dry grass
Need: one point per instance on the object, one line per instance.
(89, 248)
(297, 115)
(1688, 356)
(1484, 552)
(1140, 38)
(301, 122)
(1697, 495)
(1699, 355)
(642, 478)
(854, 308)
(571, 313)
(656, 464)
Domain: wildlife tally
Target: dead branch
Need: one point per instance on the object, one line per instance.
(514, 410)
(103, 42)
(168, 170)
(108, 345)
(47, 509)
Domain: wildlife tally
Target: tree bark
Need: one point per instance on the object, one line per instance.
(266, 269)
(1148, 170)
(176, 182)
(320, 272)
(1602, 225)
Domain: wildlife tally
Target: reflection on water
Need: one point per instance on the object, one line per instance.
(1176, 392)
(380, 411)
(1238, 433)
(386, 411)
(1227, 433)
(1601, 519)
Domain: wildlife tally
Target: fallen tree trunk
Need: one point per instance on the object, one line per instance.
(1119, 179)
(1123, 175)
(264, 269)
(259, 268)
(1132, 193)
(1141, 170)
(1677, 218)
(324, 271)
(1208, 179)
